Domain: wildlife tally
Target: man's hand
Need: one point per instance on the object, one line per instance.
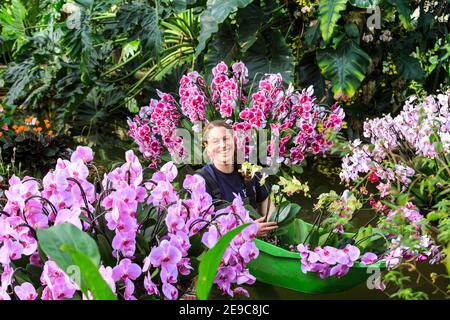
(265, 227)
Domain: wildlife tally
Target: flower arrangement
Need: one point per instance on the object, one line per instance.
(298, 124)
(403, 174)
(143, 227)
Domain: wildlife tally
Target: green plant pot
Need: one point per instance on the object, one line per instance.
(279, 267)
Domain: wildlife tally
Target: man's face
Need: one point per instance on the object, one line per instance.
(220, 145)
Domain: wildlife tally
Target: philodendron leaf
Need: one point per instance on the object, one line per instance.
(51, 240)
(222, 48)
(216, 13)
(272, 55)
(210, 262)
(404, 12)
(250, 20)
(284, 214)
(346, 68)
(364, 4)
(409, 67)
(329, 14)
(94, 282)
(12, 19)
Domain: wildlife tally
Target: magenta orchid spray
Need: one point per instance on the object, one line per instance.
(298, 124)
(141, 245)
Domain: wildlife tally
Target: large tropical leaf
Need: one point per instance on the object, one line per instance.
(404, 12)
(270, 56)
(346, 68)
(250, 20)
(222, 48)
(93, 280)
(51, 240)
(364, 4)
(216, 13)
(140, 21)
(20, 77)
(409, 67)
(309, 74)
(12, 23)
(329, 14)
(12, 20)
(312, 35)
(210, 263)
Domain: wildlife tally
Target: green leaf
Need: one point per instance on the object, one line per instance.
(51, 240)
(314, 239)
(85, 3)
(409, 67)
(105, 251)
(404, 12)
(141, 21)
(353, 32)
(284, 214)
(296, 232)
(211, 261)
(222, 48)
(252, 212)
(345, 67)
(273, 56)
(309, 74)
(142, 213)
(250, 20)
(364, 4)
(216, 13)
(329, 14)
(181, 5)
(403, 199)
(12, 20)
(312, 35)
(89, 271)
(329, 239)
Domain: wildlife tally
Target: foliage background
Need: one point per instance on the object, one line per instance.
(90, 64)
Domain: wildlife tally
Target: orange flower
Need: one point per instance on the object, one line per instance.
(47, 123)
(37, 129)
(1, 134)
(50, 132)
(21, 129)
(15, 127)
(36, 123)
(29, 119)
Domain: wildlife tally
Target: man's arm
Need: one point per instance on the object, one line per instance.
(265, 227)
(265, 207)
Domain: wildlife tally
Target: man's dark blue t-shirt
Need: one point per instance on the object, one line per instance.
(233, 182)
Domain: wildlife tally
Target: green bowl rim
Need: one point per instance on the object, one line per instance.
(283, 253)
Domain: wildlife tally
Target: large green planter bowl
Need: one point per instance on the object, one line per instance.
(280, 267)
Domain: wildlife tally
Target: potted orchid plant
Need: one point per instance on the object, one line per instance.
(75, 235)
(403, 173)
